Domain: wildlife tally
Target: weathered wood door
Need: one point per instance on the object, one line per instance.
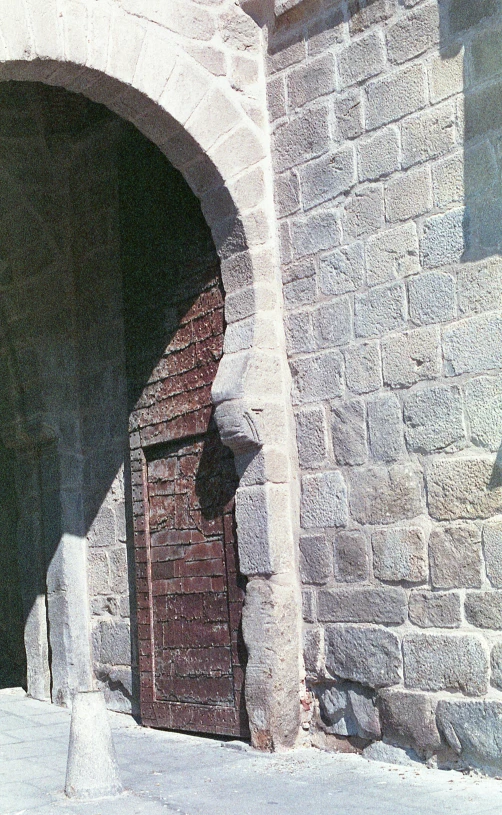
(189, 593)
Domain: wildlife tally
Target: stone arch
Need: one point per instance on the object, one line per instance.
(142, 72)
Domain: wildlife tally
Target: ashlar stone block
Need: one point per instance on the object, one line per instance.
(428, 134)
(414, 33)
(474, 730)
(370, 655)
(342, 271)
(317, 377)
(463, 488)
(480, 287)
(352, 559)
(411, 357)
(363, 605)
(362, 59)
(385, 426)
(324, 500)
(435, 609)
(446, 662)
(496, 663)
(364, 212)
(473, 345)
(392, 97)
(311, 437)
(400, 554)
(381, 495)
(348, 432)
(380, 310)
(363, 367)
(392, 254)
(333, 323)
(316, 561)
(379, 155)
(483, 402)
(409, 720)
(432, 298)
(311, 80)
(328, 177)
(408, 195)
(316, 233)
(349, 114)
(484, 609)
(446, 76)
(434, 419)
(492, 547)
(443, 239)
(455, 556)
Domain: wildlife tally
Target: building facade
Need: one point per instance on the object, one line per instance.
(331, 173)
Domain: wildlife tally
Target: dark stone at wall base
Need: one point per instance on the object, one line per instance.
(348, 709)
(473, 729)
(409, 720)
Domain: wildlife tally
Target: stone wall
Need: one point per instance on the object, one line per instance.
(386, 133)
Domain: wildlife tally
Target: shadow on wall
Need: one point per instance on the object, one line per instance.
(98, 235)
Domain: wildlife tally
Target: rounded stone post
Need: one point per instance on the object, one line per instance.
(92, 770)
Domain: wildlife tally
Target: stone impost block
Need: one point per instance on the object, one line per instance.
(432, 298)
(435, 609)
(394, 96)
(342, 270)
(380, 310)
(400, 554)
(381, 495)
(483, 397)
(305, 136)
(474, 730)
(379, 155)
(370, 656)
(352, 561)
(409, 720)
(455, 556)
(412, 356)
(348, 431)
(385, 425)
(311, 80)
(333, 323)
(492, 546)
(439, 662)
(484, 609)
(363, 367)
(473, 345)
(362, 605)
(443, 239)
(362, 59)
(414, 33)
(434, 419)
(463, 488)
(311, 437)
(317, 377)
(408, 195)
(316, 560)
(392, 254)
(327, 177)
(324, 500)
(364, 212)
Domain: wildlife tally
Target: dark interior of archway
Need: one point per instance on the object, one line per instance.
(99, 235)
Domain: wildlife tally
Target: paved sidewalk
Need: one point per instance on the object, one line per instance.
(166, 773)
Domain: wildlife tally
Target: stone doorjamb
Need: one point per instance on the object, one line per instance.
(148, 66)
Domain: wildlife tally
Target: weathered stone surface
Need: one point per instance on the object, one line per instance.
(315, 233)
(462, 488)
(313, 650)
(446, 76)
(352, 560)
(436, 662)
(362, 59)
(434, 419)
(480, 287)
(400, 553)
(317, 377)
(435, 609)
(474, 730)
(429, 134)
(348, 432)
(432, 298)
(303, 137)
(408, 195)
(349, 710)
(492, 547)
(326, 178)
(349, 114)
(333, 323)
(364, 212)
(342, 270)
(483, 402)
(411, 357)
(363, 372)
(299, 333)
(443, 239)
(392, 254)
(414, 33)
(365, 712)
(378, 156)
(409, 720)
(316, 560)
(395, 96)
(473, 345)
(309, 82)
(324, 500)
(385, 426)
(455, 556)
(484, 609)
(370, 656)
(362, 605)
(496, 664)
(383, 495)
(380, 310)
(114, 643)
(311, 437)
(448, 181)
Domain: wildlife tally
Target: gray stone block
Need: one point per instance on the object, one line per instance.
(315, 233)
(362, 16)
(446, 74)
(363, 367)
(286, 194)
(429, 134)
(365, 712)
(311, 80)
(115, 643)
(474, 730)
(362, 59)
(443, 239)
(313, 642)
(435, 609)
(311, 437)
(351, 552)
(385, 426)
(276, 98)
(409, 195)
(496, 666)
(342, 270)
(394, 96)
(299, 332)
(333, 323)
(492, 547)
(309, 605)
(380, 310)
(316, 560)
(300, 292)
(317, 377)
(440, 662)
(479, 287)
(434, 420)
(448, 181)
(348, 431)
(326, 178)
(119, 581)
(364, 212)
(390, 754)
(455, 556)
(400, 554)
(483, 398)
(411, 357)
(484, 609)
(302, 138)
(357, 604)
(392, 254)
(473, 345)
(382, 495)
(414, 33)
(379, 155)
(349, 710)
(324, 500)
(370, 656)
(432, 298)
(409, 720)
(349, 114)
(462, 14)
(463, 488)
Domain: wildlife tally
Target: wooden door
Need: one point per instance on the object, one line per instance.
(189, 592)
